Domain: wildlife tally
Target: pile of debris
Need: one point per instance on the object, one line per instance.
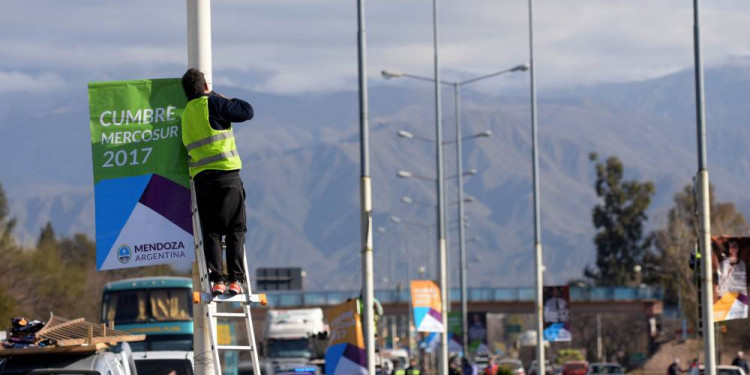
(23, 334)
(61, 332)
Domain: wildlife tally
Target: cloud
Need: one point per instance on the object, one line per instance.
(16, 81)
(298, 46)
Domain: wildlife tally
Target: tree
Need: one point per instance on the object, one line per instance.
(619, 219)
(676, 241)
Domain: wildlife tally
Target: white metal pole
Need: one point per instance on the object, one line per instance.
(366, 193)
(704, 208)
(199, 57)
(461, 234)
(442, 257)
(539, 266)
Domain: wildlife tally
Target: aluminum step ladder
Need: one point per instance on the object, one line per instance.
(205, 297)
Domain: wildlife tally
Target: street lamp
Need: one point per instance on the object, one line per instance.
(398, 220)
(388, 74)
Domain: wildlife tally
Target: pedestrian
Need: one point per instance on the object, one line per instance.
(413, 368)
(453, 367)
(214, 165)
(468, 368)
(740, 361)
(693, 369)
(674, 368)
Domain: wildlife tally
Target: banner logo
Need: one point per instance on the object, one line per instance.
(123, 254)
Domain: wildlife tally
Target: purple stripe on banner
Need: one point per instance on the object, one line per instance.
(356, 355)
(436, 314)
(742, 298)
(170, 200)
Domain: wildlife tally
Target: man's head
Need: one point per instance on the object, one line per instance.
(677, 360)
(194, 83)
(740, 354)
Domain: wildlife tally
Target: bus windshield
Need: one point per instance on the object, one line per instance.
(147, 306)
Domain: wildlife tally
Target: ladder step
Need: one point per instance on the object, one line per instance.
(229, 315)
(234, 347)
(207, 297)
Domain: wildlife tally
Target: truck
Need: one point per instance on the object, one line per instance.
(294, 341)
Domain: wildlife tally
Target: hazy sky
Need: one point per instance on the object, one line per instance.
(293, 46)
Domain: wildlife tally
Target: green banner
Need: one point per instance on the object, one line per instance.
(135, 129)
(141, 180)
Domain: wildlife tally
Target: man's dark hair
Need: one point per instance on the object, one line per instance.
(193, 83)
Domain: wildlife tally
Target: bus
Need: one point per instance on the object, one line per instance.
(159, 307)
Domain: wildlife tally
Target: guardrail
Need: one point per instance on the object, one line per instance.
(594, 294)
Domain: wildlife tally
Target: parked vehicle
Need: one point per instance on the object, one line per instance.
(292, 340)
(602, 368)
(575, 368)
(514, 365)
(164, 362)
(90, 363)
(725, 370)
(548, 369)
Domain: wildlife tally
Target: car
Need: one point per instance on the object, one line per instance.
(514, 365)
(96, 363)
(600, 368)
(725, 370)
(548, 369)
(164, 362)
(575, 368)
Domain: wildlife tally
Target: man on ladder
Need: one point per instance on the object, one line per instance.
(214, 166)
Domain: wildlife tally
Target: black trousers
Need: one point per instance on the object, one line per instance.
(221, 206)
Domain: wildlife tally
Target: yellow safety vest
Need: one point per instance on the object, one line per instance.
(207, 147)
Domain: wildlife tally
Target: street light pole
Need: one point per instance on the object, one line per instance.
(539, 267)
(365, 193)
(443, 365)
(404, 134)
(704, 208)
(461, 244)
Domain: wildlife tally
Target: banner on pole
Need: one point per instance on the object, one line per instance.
(729, 259)
(455, 331)
(478, 332)
(345, 354)
(141, 180)
(556, 313)
(428, 308)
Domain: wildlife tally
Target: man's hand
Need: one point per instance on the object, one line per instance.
(220, 95)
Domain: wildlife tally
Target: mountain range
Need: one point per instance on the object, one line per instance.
(301, 157)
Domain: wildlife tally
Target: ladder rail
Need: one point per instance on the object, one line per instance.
(208, 302)
(248, 316)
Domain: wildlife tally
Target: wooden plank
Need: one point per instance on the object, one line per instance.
(37, 350)
(48, 327)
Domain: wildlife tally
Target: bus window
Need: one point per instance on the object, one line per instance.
(147, 305)
(127, 306)
(169, 305)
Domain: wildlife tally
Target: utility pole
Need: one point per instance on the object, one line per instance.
(442, 256)
(199, 57)
(365, 193)
(539, 266)
(704, 208)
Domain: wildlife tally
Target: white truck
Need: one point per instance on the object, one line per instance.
(294, 341)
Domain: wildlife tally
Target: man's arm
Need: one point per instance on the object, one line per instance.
(230, 110)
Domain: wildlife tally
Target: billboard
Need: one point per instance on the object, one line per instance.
(345, 354)
(428, 308)
(729, 259)
(141, 180)
(556, 313)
